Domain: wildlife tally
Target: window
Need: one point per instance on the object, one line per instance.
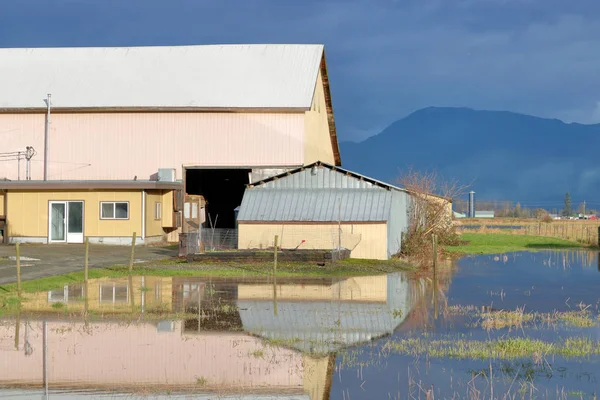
(69, 293)
(157, 211)
(114, 293)
(114, 210)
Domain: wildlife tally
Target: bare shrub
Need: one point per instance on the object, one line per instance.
(430, 212)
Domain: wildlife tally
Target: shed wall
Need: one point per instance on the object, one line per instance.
(316, 129)
(154, 226)
(366, 240)
(398, 222)
(138, 144)
(28, 212)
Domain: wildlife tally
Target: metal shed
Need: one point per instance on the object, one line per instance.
(322, 206)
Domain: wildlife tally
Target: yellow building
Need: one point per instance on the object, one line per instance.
(325, 207)
(104, 211)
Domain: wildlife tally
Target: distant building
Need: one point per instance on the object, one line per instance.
(484, 214)
(478, 214)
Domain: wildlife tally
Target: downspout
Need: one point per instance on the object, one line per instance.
(46, 133)
(143, 215)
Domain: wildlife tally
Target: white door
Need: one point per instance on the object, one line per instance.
(65, 222)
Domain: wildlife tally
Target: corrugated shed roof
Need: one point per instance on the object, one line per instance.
(212, 76)
(315, 205)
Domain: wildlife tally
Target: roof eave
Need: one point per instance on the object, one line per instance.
(330, 118)
(89, 185)
(151, 109)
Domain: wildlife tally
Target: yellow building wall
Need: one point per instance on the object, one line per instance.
(154, 227)
(2, 196)
(167, 217)
(317, 139)
(157, 295)
(367, 241)
(359, 289)
(28, 212)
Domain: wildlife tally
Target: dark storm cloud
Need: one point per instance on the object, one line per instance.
(386, 58)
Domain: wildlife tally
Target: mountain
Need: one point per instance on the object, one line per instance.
(501, 155)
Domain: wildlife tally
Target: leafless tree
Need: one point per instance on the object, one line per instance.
(430, 211)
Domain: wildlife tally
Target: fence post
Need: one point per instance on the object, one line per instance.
(18, 249)
(85, 263)
(275, 255)
(132, 252)
(434, 239)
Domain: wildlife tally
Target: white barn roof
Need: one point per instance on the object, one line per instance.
(192, 77)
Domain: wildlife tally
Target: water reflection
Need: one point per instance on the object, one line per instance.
(250, 337)
(314, 338)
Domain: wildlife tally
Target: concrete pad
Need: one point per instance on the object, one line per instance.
(44, 260)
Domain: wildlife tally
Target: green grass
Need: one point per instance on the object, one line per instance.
(504, 349)
(496, 243)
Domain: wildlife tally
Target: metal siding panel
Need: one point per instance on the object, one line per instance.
(397, 221)
(81, 144)
(211, 76)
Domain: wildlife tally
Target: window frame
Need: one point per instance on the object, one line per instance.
(114, 203)
(157, 210)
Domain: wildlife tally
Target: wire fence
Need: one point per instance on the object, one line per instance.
(262, 238)
(581, 231)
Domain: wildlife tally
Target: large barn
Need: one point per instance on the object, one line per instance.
(101, 142)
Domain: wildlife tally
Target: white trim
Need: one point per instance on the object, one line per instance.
(143, 214)
(50, 204)
(158, 211)
(114, 217)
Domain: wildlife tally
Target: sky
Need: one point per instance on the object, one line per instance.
(386, 58)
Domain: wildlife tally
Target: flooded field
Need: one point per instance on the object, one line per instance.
(521, 325)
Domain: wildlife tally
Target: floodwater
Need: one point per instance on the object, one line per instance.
(396, 336)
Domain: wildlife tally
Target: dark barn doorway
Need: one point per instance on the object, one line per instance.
(222, 189)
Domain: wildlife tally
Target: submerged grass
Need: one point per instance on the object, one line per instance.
(504, 319)
(494, 349)
(496, 243)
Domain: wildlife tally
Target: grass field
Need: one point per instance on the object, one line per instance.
(495, 243)
(582, 231)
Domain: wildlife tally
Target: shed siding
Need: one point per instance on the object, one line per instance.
(110, 146)
(319, 178)
(316, 129)
(2, 196)
(398, 222)
(367, 240)
(28, 212)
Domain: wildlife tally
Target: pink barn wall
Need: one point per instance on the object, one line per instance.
(120, 355)
(124, 145)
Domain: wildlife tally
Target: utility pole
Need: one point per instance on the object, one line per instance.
(584, 209)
